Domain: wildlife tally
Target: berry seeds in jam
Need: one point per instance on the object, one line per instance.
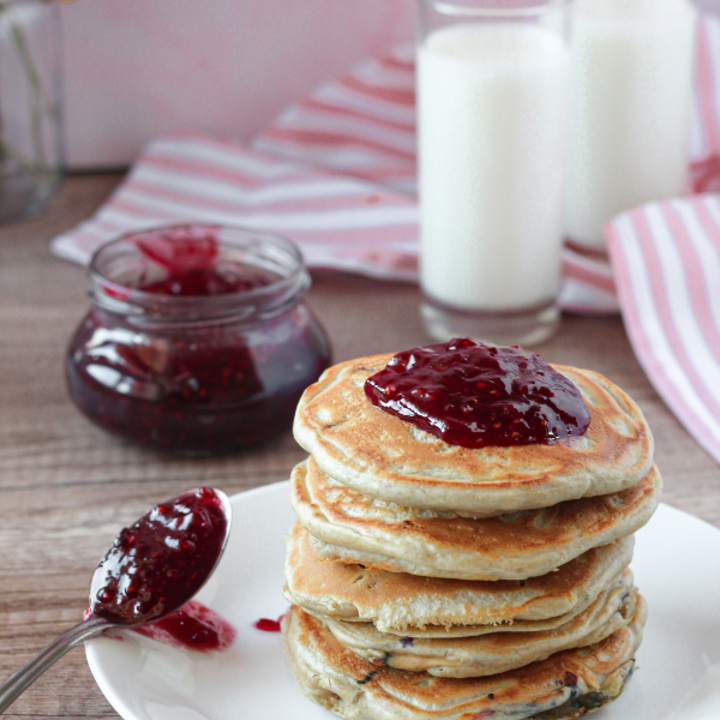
(155, 566)
(475, 395)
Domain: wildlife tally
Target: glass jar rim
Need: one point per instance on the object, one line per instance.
(486, 8)
(269, 250)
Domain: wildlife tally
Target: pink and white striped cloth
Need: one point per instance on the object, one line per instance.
(340, 221)
(667, 263)
(336, 173)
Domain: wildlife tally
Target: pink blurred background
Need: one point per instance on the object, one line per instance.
(136, 69)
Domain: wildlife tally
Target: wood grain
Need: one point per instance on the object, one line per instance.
(67, 487)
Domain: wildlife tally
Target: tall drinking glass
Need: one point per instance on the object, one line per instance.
(631, 93)
(492, 83)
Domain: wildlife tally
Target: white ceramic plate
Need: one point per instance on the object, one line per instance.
(676, 567)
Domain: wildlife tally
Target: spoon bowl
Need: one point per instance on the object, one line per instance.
(156, 565)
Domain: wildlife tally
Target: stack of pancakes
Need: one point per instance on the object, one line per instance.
(435, 581)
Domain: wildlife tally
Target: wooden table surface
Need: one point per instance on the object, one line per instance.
(66, 488)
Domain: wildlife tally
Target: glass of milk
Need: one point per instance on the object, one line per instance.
(492, 84)
(630, 99)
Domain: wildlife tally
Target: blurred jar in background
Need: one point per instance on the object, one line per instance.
(199, 340)
(631, 93)
(31, 138)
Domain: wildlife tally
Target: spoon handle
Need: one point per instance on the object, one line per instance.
(16, 684)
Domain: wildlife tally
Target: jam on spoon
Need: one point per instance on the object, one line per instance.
(474, 395)
(152, 569)
(157, 564)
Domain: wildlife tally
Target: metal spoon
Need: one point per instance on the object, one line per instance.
(128, 589)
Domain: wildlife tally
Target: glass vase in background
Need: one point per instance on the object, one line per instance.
(31, 137)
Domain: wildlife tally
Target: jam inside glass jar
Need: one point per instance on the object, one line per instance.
(199, 340)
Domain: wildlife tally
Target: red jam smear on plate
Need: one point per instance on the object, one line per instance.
(268, 625)
(193, 627)
(475, 395)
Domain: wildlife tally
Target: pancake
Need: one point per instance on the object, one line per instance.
(353, 528)
(409, 605)
(562, 687)
(494, 653)
(384, 457)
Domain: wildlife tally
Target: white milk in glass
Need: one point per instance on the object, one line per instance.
(631, 88)
(491, 142)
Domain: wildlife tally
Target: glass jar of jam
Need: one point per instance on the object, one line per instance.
(199, 340)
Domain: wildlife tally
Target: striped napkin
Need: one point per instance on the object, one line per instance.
(667, 263)
(666, 258)
(336, 174)
(340, 221)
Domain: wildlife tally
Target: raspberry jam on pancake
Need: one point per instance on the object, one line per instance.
(474, 395)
